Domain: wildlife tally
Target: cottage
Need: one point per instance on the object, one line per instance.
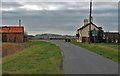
(12, 33)
(83, 34)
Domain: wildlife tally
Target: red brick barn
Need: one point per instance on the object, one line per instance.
(12, 33)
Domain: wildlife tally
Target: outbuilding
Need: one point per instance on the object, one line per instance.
(13, 34)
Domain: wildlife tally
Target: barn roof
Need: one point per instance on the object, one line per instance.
(87, 25)
(12, 29)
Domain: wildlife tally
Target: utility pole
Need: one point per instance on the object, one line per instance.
(90, 16)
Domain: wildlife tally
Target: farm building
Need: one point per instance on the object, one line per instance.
(111, 37)
(12, 34)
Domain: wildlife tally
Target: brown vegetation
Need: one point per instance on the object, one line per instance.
(11, 48)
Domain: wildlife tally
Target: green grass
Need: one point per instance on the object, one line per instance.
(39, 58)
(109, 51)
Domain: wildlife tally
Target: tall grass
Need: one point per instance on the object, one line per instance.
(40, 58)
(11, 48)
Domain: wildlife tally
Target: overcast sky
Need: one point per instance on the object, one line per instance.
(59, 17)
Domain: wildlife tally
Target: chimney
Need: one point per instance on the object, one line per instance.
(19, 22)
(92, 19)
(86, 21)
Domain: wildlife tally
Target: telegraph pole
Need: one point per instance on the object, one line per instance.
(90, 16)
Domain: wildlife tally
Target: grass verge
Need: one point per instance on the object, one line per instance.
(39, 58)
(109, 51)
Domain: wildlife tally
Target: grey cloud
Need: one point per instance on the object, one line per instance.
(61, 1)
(10, 4)
(63, 20)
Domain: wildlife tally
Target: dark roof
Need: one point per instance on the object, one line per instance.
(111, 32)
(89, 24)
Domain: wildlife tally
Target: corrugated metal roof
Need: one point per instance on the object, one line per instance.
(12, 29)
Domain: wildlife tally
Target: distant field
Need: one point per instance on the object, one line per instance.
(107, 50)
(39, 58)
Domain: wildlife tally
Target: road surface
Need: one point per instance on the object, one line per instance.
(77, 60)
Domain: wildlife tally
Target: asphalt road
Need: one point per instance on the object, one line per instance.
(77, 60)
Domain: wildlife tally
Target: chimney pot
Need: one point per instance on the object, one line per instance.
(19, 22)
(86, 21)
